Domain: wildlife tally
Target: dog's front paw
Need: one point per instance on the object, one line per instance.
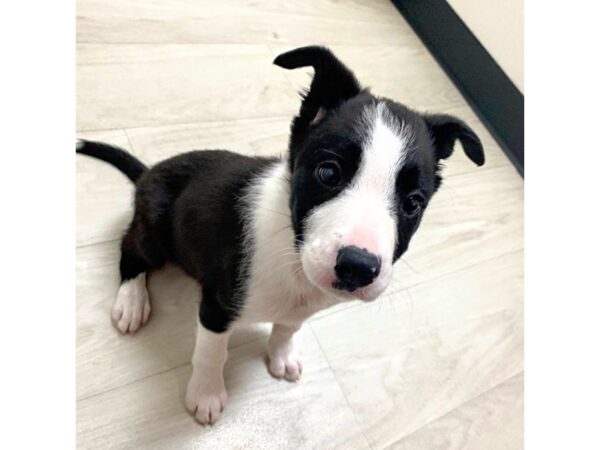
(206, 395)
(287, 366)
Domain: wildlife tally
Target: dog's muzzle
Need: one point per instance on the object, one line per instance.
(355, 268)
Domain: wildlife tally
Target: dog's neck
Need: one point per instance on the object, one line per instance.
(271, 223)
(275, 261)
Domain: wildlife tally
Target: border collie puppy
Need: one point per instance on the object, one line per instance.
(276, 240)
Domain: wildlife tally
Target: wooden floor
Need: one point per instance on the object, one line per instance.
(435, 364)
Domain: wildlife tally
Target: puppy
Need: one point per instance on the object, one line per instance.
(276, 240)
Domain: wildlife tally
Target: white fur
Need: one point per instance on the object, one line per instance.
(284, 360)
(131, 309)
(206, 395)
(383, 154)
(284, 287)
(278, 290)
(363, 213)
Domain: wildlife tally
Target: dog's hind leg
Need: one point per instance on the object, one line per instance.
(131, 309)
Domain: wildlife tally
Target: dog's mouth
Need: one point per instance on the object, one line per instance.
(346, 290)
(349, 290)
(353, 290)
(344, 286)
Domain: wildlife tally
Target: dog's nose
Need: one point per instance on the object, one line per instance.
(355, 268)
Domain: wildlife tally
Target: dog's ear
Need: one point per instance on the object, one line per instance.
(332, 84)
(445, 130)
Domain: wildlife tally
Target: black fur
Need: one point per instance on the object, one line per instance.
(444, 131)
(189, 208)
(331, 85)
(126, 163)
(337, 136)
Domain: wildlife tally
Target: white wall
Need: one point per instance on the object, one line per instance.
(498, 24)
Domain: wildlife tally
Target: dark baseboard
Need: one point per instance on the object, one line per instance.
(485, 86)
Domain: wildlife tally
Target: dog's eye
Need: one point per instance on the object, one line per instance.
(413, 204)
(329, 174)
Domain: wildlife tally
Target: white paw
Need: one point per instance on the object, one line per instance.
(287, 366)
(206, 395)
(131, 309)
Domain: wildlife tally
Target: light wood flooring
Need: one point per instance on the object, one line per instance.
(435, 364)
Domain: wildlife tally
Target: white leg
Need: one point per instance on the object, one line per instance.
(206, 395)
(131, 309)
(284, 361)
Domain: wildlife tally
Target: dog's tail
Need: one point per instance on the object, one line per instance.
(125, 162)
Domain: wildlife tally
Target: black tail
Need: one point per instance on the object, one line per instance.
(125, 162)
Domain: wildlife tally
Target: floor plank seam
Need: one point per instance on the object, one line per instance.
(242, 44)
(455, 408)
(114, 388)
(291, 43)
(128, 140)
(456, 271)
(90, 244)
(339, 384)
(182, 124)
(148, 376)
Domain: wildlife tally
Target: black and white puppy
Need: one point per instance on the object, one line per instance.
(276, 240)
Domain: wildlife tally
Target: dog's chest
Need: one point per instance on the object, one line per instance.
(277, 289)
(290, 302)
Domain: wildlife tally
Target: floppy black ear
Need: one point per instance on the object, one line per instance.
(332, 84)
(445, 130)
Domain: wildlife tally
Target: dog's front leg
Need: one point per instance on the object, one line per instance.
(284, 360)
(206, 395)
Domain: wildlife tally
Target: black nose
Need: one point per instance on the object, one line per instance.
(355, 268)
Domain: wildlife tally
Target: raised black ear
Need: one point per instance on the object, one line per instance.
(445, 130)
(332, 84)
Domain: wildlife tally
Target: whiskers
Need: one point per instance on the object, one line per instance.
(270, 240)
(274, 211)
(282, 254)
(398, 294)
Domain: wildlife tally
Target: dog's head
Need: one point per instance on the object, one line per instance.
(363, 169)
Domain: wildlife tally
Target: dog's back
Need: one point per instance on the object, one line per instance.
(181, 200)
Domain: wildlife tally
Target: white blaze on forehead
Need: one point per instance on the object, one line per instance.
(384, 152)
(363, 214)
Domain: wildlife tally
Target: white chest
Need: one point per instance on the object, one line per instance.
(285, 301)
(276, 287)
